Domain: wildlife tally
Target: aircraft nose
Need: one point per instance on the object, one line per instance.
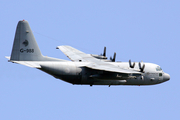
(166, 77)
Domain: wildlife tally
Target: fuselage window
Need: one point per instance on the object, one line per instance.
(160, 74)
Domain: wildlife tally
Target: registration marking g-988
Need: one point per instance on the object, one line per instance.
(27, 50)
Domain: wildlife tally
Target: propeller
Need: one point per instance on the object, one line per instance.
(101, 56)
(141, 67)
(104, 54)
(130, 64)
(114, 57)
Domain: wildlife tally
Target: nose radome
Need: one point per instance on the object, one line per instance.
(166, 77)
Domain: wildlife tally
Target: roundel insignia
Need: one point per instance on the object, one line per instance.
(25, 43)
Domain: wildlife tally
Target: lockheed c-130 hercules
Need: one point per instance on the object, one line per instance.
(83, 69)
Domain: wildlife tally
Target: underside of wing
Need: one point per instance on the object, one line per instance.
(112, 68)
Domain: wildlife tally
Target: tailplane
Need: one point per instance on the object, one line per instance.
(25, 47)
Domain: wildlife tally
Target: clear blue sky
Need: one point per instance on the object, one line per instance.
(147, 30)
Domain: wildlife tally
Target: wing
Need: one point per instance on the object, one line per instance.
(76, 55)
(96, 64)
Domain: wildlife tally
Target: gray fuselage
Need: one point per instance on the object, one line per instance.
(77, 73)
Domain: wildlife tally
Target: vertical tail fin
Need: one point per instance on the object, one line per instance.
(25, 47)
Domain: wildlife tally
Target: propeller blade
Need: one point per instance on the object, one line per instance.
(142, 70)
(130, 64)
(111, 58)
(133, 65)
(104, 54)
(141, 67)
(114, 57)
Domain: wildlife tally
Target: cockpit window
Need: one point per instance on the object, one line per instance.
(158, 68)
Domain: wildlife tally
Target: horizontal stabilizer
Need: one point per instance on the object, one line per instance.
(8, 57)
(32, 64)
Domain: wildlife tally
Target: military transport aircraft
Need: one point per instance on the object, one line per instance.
(83, 69)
